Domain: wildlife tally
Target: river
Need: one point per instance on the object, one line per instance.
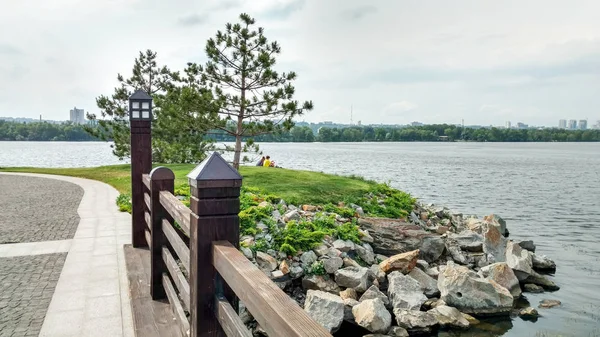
(547, 192)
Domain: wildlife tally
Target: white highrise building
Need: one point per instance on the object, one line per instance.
(572, 124)
(77, 116)
(562, 124)
(508, 124)
(583, 124)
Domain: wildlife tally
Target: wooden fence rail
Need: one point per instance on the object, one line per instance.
(195, 262)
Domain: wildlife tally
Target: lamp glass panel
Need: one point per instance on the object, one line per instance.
(135, 105)
(145, 105)
(135, 114)
(145, 114)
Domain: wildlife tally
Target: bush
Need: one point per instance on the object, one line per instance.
(124, 202)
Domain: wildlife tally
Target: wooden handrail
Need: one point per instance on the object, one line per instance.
(177, 210)
(182, 320)
(180, 282)
(274, 310)
(229, 319)
(148, 238)
(183, 251)
(147, 201)
(148, 219)
(146, 180)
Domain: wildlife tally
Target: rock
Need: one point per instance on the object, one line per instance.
(265, 261)
(353, 277)
(348, 305)
(334, 252)
(442, 229)
(433, 272)
(372, 315)
(415, 320)
(472, 320)
(432, 303)
(375, 273)
(529, 312)
(397, 331)
(404, 262)
(449, 317)
(309, 208)
(284, 267)
(427, 283)
(374, 292)
(332, 264)
(365, 236)
(264, 204)
(247, 240)
(360, 211)
(549, 303)
(247, 253)
(455, 252)
(296, 272)
(543, 263)
(348, 262)
(527, 245)
(519, 260)
(504, 276)
(542, 281)
(245, 315)
(423, 265)
(494, 244)
(349, 293)
(497, 222)
(343, 245)
(432, 248)
(317, 282)
(532, 288)
(463, 289)
(325, 308)
(365, 254)
(291, 215)
(394, 236)
(308, 258)
(321, 250)
(276, 274)
(469, 241)
(405, 292)
(276, 215)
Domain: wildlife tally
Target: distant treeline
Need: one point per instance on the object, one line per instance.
(43, 132)
(434, 132)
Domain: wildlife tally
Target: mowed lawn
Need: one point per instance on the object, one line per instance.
(291, 185)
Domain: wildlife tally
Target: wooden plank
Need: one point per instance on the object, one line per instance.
(148, 219)
(183, 252)
(229, 319)
(141, 163)
(177, 210)
(180, 282)
(180, 316)
(148, 238)
(274, 310)
(147, 201)
(146, 180)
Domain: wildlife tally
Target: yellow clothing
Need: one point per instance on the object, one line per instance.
(267, 163)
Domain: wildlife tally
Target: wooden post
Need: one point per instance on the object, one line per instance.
(161, 179)
(215, 203)
(141, 163)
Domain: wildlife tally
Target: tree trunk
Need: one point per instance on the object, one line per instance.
(238, 143)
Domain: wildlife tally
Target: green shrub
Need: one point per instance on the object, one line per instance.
(348, 231)
(316, 268)
(124, 202)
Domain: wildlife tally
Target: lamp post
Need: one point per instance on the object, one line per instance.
(140, 122)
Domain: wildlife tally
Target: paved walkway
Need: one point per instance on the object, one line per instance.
(91, 296)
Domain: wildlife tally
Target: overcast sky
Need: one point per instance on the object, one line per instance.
(395, 61)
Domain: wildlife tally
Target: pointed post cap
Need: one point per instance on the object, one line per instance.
(214, 171)
(140, 94)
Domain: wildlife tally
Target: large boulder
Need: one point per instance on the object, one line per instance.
(366, 253)
(494, 244)
(520, 260)
(469, 241)
(432, 248)
(332, 264)
(541, 281)
(394, 236)
(318, 282)
(449, 317)
(504, 276)
(325, 308)
(428, 284)
(372, 315)
(343, 245)
(353, 277)
(404, 262)
(454, 251)
(372, 293)
(497, 222)
(543, 263)
(405, 292)
(415, 321)
(465, 290)
(397, 331)
(308, 258)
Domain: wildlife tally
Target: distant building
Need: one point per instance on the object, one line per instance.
(562, 123)
(77, 116)
(597, 125)
(508, 125)
(521, 125)
(572, 124)
(416, 124)
(583, 124)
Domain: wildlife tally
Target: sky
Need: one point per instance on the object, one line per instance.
(389, 61)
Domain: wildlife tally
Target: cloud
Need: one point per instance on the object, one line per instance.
(193, 20)
(399, 107)
(225, 5)
(8, 49)
(358, 13)
(283, 10)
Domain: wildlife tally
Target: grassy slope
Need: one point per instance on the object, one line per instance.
(290, 185)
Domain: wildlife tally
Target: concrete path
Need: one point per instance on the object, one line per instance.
(91, 297)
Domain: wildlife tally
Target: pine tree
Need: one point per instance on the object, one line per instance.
(253, 98)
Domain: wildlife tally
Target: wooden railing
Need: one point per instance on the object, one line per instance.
(196, 264)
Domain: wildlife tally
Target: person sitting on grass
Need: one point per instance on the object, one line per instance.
(267, 162)
(261, 161)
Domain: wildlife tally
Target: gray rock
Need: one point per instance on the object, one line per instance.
(247, 253)
(308, 258)
(360, 211)
(332, 264)
(527, 245)
(543, 263)
(394, 236)
(520, 260)
(372, 315)
(423, 265)
(502, 274)
(353, 277)
(334, 252)
(455, 252)
(397, 331)
(405, 292)
(529, 313)
(449, 317)
(271, 252)
(433, 272)
(497, 222)
(494, 244)
(374, 292)
(542, 281)
(427, 283)
(343, 245)
(349, 293)
(469, 241)
(432, 248)
(365, 254)
(291, 215)
(549, 303)
(262, 227)
(317, 282)
(532, 288)
(348, 305)
(348, 262)
(265, 261)
(296, 272)
(375, 273)
(325, 308)
(463, 289)
(321, 250)
(276, 215)
(415, 320)
(365, 236)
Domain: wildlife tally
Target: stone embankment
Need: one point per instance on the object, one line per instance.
(435, 269)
